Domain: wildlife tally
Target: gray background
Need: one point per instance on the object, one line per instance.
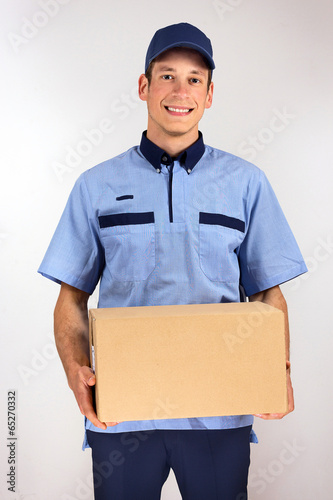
(70, 65)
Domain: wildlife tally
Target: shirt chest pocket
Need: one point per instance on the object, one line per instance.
(129, 244)
(219, 239)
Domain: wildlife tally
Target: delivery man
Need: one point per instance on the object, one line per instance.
(171, 221)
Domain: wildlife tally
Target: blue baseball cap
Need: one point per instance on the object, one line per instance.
(180, 35)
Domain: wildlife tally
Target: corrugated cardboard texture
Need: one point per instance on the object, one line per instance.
(188, 361)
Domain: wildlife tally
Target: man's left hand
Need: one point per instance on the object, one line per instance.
(290, 394)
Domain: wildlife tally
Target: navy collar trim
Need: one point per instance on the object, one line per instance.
(157, 156)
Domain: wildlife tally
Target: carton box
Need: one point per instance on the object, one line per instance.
(188, 361)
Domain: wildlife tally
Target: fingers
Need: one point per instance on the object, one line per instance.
(270, 416)
(291, 406)
(278, 416)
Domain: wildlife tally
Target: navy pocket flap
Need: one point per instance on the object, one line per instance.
(221, 220)
(128, 219)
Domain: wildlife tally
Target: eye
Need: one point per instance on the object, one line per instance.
(195, 80)
(166, 77)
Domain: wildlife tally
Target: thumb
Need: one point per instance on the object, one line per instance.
(88, 375)
(92, 380)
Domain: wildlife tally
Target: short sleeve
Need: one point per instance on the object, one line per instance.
(269, 254)
(75, 255)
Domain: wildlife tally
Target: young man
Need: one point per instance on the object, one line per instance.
(172, 221)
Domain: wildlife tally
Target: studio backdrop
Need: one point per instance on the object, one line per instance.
(68, 102)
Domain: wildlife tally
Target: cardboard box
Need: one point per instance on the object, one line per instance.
(188, 361)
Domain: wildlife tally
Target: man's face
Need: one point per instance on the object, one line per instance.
(177, 95)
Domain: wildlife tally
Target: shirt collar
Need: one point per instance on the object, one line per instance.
(155, 155)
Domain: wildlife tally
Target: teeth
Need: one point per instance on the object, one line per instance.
(177, 110)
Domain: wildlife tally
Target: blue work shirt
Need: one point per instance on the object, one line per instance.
(204, 227)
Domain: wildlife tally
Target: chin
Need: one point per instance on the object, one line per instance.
(177, 133)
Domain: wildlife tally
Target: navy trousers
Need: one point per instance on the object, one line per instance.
(208, 464)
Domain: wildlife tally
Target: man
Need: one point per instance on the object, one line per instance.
(172, 221)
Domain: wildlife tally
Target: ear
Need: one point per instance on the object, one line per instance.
(143, 87)
(209, 98)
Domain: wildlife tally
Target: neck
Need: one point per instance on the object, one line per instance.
(173, 145)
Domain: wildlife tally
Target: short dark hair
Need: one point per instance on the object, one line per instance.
(149, 71)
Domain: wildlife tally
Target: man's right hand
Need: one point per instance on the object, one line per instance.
(82, 383)
(71, 330)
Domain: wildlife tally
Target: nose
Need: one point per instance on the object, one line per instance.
(180, 88)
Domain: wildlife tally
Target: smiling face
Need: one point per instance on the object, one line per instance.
(176, 98)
